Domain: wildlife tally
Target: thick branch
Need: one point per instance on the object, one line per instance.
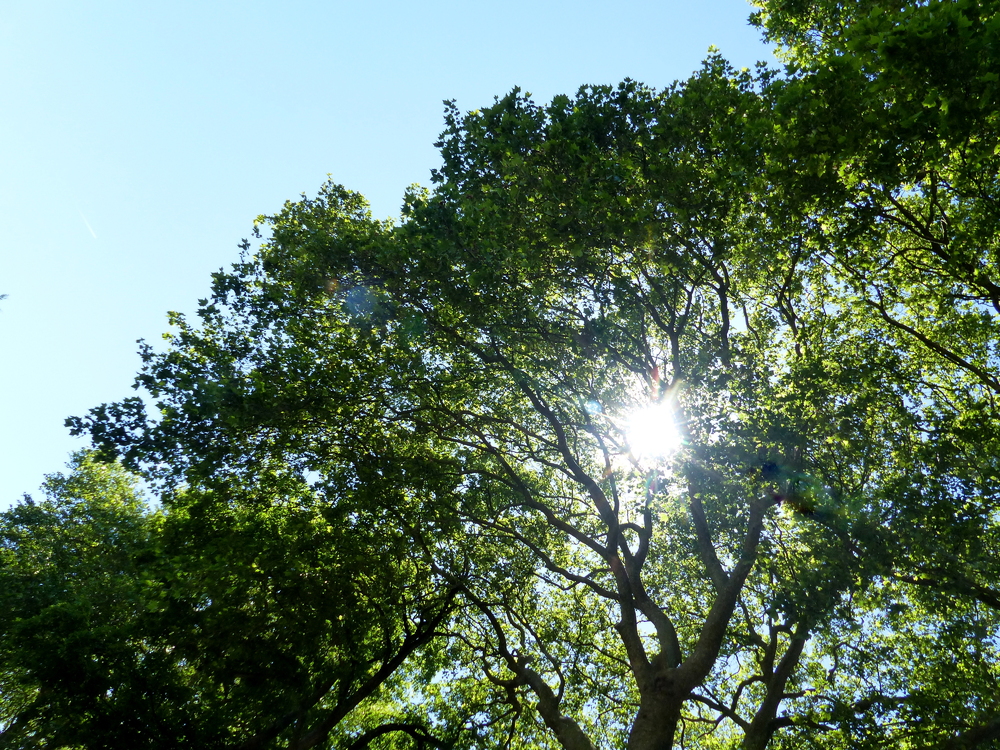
(985, 377)
(956, 582)
(424, 633)
(765, 722)
(567, 731)
(416, 731)
(706, 549)
(699, 662)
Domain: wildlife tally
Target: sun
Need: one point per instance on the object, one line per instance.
(652, 432)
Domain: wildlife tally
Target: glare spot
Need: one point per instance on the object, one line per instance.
(652, 432)
(360, 301)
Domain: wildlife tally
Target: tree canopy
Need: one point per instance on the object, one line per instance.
(664, 419)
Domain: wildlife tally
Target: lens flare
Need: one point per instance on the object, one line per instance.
(652, 432)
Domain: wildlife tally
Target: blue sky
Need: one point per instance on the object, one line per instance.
(140, 140)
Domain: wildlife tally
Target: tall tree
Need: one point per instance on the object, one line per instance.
(241, 622)
(689, 396)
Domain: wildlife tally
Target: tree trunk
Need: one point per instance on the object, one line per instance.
(656, 723)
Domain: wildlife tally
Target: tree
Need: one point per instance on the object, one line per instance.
(212, 625)
(792, 277)
(68, 591)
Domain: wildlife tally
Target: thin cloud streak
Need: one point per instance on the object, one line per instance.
(92, 232)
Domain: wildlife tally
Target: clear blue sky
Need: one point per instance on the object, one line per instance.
(140, 140)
